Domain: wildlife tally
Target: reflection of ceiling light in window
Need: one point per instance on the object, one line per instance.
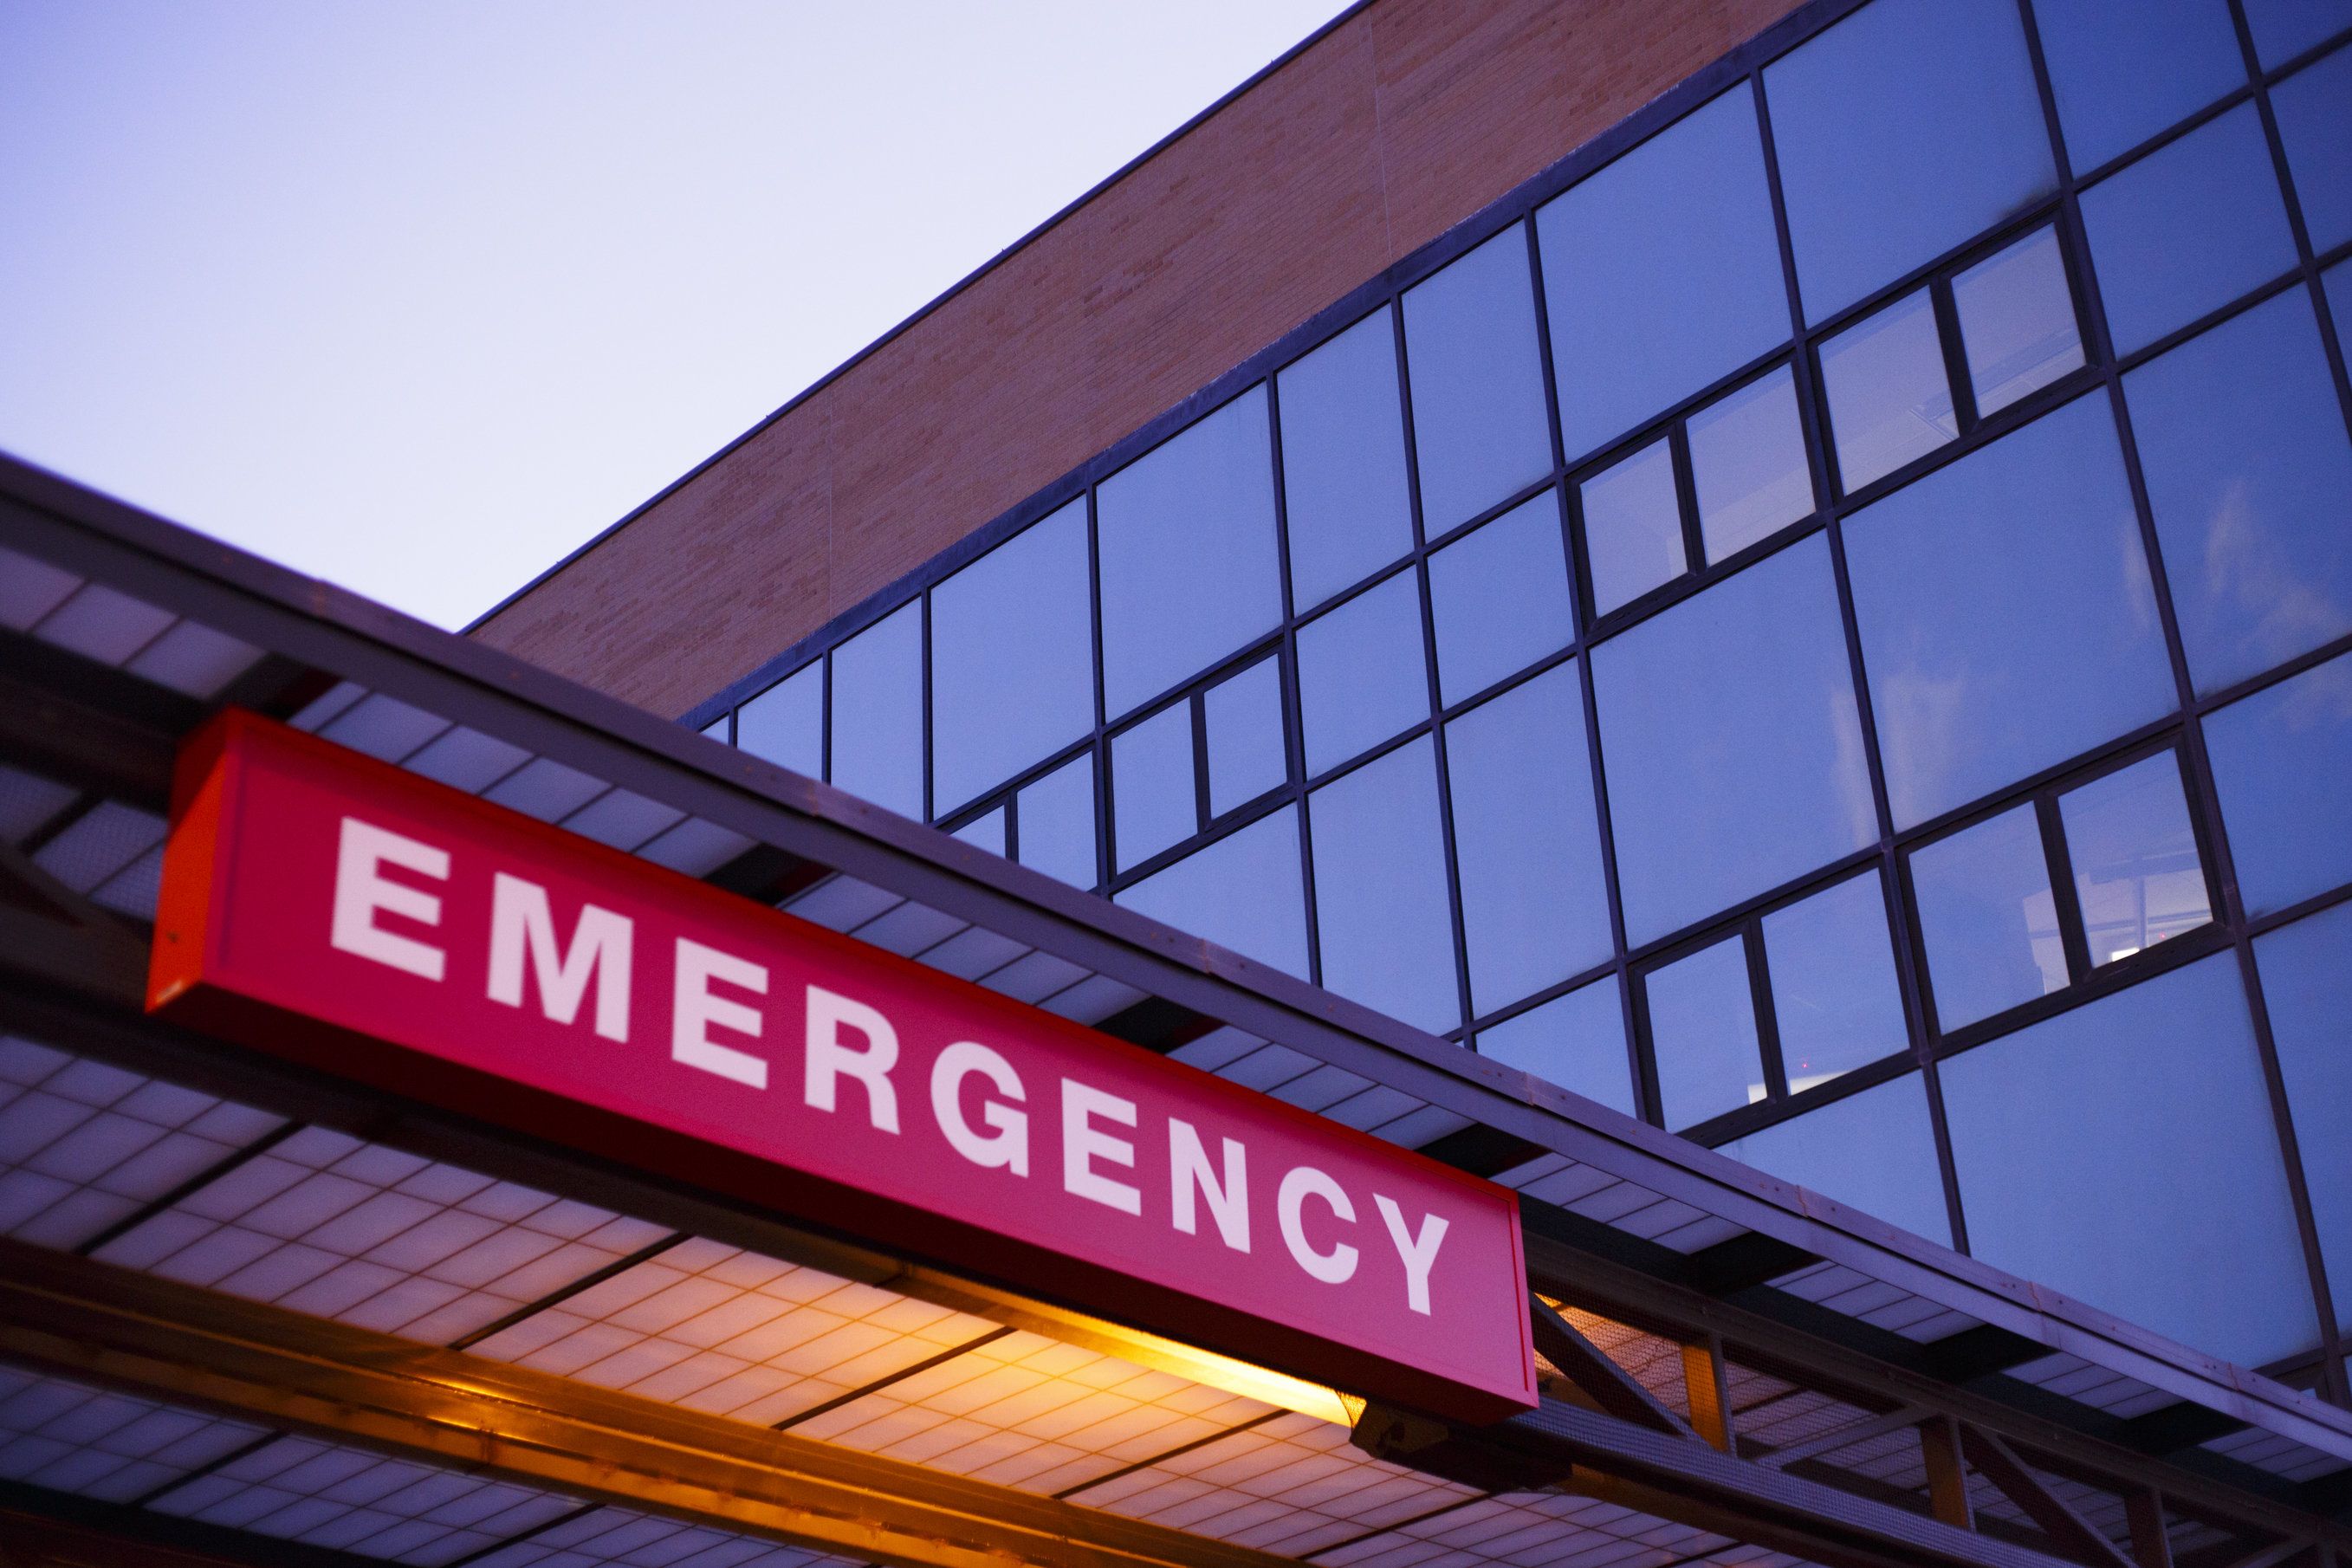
(2123, 952)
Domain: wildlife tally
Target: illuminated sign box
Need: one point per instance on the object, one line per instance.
(339, 912)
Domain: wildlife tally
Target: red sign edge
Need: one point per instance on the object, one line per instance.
(190, 915)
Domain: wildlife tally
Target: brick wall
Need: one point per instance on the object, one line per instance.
(1408, 117)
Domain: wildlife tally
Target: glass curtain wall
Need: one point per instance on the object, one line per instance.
(1826, 623)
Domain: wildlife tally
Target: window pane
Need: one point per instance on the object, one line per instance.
(2308, 981)
(1361, 677)
(2280, 759)
(878, 712)
(1661, 272)
(1534, 903)
(1748, 463)
(2187, 229)
(1901, 132)
(1241, 892)
(987, 831)
(1386, 935)
(2285, 29)
(2137, 874)
(2315, 120)
(1834, 995)
(1577, 1041)
(785, 723)
(1889, 402)
(2122, 70)
(1057, 822)
(1500, 599)
(1187, 544)
(1703, 1034)
(717, 729)
(2016, 322)
(1632, 527)
(1245, 724)
(2007, 618)
(2146, 1110)
(1987, 918)
(1732, 743)
(1151, 786)
(2247, 464)
(1011, 659)
(1478, 419)
(1875, 1151)
(1343, 479)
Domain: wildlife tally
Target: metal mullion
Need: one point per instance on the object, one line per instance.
(2318, 903)
(1293, 708)
(1552, 993)
(1099, 743)
(1198, 702)
(1767, 1017)
(1678, 458)
(1741, 1121)
(2058, 862)
(925, 751)
(1959, 385)
(1454, 913)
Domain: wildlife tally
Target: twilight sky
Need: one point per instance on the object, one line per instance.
(417, 295)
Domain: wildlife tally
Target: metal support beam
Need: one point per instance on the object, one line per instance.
(1780, 1348)
(1610, 1387)
(91, 1321)
(1708, 1389)
(2151, 1542)
(1947, 1477)
(2074, 1535)
(1844, 1436)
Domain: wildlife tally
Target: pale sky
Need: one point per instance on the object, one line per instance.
(417, 295)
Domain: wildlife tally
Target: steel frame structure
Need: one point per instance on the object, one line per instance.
(73, 972)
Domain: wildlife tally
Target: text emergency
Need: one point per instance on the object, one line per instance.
(530, 976)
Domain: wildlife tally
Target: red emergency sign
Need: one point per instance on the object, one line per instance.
(338, 910)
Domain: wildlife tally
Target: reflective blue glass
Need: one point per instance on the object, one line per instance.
(785, 723)
(1835, 999)
(1731, 742)
(2306, 972)
(2338, 280)
(1987, 918)
(2187, 229)
(2243, 448)
(1748, 464)
(1499, 599)
(1381, 915)
(2122, 70)
(2137, 877)
(2007, 618)
(1534, 903)
(1012, 658)
(2124, 1152)
(1703, 1034)
(1875, 1151)
(2285, 29)
(1151, 786)
(2016, 322)
(1056, 825)
(1343, 480)
(1577, 1041)
(1361, 677)
(718, 728)
(1889, 400)
(1901, 132)
(878, 712)
(1187, 547)
(2280, 759)
(2315, 120)
(1241, 892)
(1661, 272)
(1632, 527)
(1244, 718)
(986, 831)
(1478, 420)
